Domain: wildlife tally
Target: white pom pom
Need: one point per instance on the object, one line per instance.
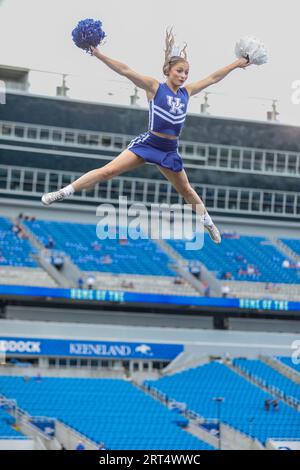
(254, 48)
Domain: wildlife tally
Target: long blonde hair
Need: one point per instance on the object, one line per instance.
(171, 60)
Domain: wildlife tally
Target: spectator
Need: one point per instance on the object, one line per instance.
(127, 284)
(106, 259)
(250, 269)
(101, 446)
(227, 357)
(195, 270)
(267, 404)
(178, 280)
(57, 261)
(96, 246)
(206, 289)
(80, 446)
(50, 243)
(275, 405)
(225, 291)
(22, 234)
(16, 229)
(285, 263)
(241, 272)
(80, 283)
(91, 282)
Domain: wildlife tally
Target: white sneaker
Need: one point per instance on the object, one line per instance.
(49, 198)
(213, 233)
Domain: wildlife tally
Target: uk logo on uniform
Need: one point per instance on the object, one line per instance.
(175, 105)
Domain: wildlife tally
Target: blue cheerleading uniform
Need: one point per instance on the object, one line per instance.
(167, 113)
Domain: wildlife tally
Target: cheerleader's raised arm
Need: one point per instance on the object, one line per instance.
(248, 50)
(141, 81)
(196, 87)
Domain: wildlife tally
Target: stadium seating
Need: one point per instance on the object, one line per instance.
(79, 241)
(14, 251)
(109, 410)
(243, 407)
(6, 431)
(17, 265)
(233, 255)
(269, 375)
(141, 283)
(288, 362)
(293, 244)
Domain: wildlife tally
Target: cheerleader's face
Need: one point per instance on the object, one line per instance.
(179, 73)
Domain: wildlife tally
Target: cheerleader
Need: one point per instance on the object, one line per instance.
(168, 102)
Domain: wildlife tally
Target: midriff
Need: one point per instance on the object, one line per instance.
(165, 135)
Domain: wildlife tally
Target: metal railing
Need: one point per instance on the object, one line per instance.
(195, 154)
(33, 182)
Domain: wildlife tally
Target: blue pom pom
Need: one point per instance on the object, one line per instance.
(88, 33)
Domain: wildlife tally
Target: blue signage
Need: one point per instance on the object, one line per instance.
(142, 297)
(93, 349)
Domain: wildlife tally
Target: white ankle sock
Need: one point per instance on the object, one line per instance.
(68, 190)
(206, 219)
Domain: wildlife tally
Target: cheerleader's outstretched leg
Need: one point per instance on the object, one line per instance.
(182, 185)
(127, 160)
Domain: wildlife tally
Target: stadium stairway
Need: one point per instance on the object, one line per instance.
(270, 385)
(183, 361)
(231, 438)
(18, 260)
(112, 410)
(179, 408)
(273, 280)
(11, 436)
(181, 263)
(39, 256)
(284, 249)
(291, 362)
(146, 275)
(69, 273)
(244, 423)
(282, 368)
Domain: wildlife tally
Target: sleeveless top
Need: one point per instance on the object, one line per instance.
(167, 110)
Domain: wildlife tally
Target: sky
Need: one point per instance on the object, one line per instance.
(37, 34)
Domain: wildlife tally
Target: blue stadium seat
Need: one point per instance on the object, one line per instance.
(14, 251)
(233, 255)
(293, 244)
(243, 407)
(109, 410)
(6, 431)
(141, 256)
(270, 376)
(288, 362)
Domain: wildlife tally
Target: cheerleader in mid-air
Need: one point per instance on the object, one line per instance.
(168, 103)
